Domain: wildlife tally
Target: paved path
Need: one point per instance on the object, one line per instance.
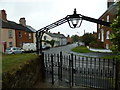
(93, 54)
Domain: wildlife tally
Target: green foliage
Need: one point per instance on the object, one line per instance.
(75, 38)
(96, 44)
(115, 36)
(81, 49)
(52, 42)
(88, 38)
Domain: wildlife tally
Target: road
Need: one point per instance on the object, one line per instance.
(64, 49)
(87, 71)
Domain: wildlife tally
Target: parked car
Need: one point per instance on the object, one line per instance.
(45, 47)
(14, 50)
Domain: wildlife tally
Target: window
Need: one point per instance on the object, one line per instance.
(10, 33)
(107, 46)
(108, 18)
(98, 25)
(107, 34)
(10, 44)
(21, 44)
(30, 37)
(102, 35)
(45, 44)
(98, 35)
(102, 20)
(20, 34)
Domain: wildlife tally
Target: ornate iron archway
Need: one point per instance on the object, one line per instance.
(73, 20)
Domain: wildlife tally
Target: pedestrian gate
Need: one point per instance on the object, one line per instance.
(74, 71)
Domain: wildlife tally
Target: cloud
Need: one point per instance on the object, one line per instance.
(39, 13)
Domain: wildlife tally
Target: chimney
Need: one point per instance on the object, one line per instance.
(68, 36)
(109, 3)
(22, 21)
(3, 15)
(58, 32)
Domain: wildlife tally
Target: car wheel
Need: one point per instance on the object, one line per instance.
(13, 53)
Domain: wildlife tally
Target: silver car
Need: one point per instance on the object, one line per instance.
(14, 50)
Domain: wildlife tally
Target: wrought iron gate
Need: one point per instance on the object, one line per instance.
(71, 71)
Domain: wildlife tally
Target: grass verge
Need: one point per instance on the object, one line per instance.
(81, 49)
(13, 62)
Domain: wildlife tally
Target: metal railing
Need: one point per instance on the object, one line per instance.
(71, 71)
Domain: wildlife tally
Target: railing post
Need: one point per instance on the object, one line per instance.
(117, 79)
(61, 66)
(69, 71)
(58, 66)
(52, 69)
(43, 65)
(72, 68)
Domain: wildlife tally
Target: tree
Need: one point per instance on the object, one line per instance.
(75, 38)
(115, 36)
(88, 38)
(52, 42)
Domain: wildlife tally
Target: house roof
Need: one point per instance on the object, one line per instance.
(13, 25)
(56, 35)
(111, 9)
(31, 28)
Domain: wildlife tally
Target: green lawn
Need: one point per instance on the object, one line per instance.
(81, 49)
(12, 62)
(109, 57)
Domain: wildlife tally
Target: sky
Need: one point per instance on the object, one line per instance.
(40, 13)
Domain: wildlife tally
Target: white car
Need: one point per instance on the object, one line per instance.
(14, 50)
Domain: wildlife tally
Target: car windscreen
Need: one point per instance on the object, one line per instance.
(8, 48)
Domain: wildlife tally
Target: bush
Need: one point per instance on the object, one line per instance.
(96, 44)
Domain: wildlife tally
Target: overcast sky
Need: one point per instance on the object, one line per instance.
(40, 13)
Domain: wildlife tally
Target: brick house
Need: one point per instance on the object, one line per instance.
(24, 35)
(69, 40)
(13, 34)
(103, 32)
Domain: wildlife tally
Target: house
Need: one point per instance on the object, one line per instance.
(13, 34)
(60, 39)
(103, 32)
(34, 33)
(23, 35)
(69, 40)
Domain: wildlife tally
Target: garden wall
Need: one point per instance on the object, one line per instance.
(26, 77)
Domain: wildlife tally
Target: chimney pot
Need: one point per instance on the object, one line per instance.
(109, 3)
(22, 21)
(3, 15)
